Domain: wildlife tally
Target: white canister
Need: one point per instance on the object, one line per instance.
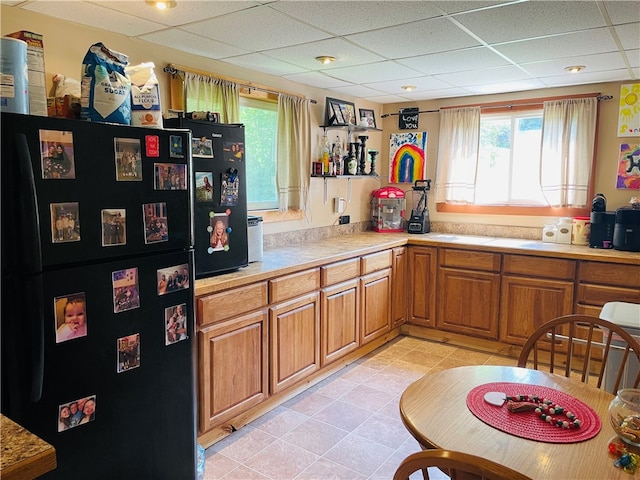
(565, 230)
(550, 234)
(580, 231)
(14, 88)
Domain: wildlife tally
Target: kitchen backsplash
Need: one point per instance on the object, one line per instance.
(313, 234)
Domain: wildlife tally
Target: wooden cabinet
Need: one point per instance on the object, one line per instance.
(468, 292)
(232, 368)
(339, 313)
(534, 291)
(599, 283)
(375, 295)
(422, 265)
(294, 340)
(399, 287)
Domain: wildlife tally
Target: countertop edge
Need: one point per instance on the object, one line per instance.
(294, 258)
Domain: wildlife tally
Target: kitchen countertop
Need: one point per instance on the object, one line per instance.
(24, 455)
(300, 256)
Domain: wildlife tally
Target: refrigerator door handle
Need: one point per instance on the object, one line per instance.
(29, 217)
(36, 337)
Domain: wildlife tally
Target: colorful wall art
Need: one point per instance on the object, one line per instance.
(407, 157)
(629, 167)
(629, 113)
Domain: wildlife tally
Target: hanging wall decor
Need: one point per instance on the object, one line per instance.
(407, 157)
(408, 118)
(629, 112)
(629, 166)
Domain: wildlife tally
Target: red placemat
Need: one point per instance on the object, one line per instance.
(527, 424)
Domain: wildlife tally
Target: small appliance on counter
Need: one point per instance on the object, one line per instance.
(626, 232)
(419, 221)
(602, 223)
(387, 209)
(255, 239)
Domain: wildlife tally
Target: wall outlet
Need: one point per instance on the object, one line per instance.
(344, 219)
(338, 204)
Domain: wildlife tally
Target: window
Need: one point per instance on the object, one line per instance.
(509, 159)
(261, 125)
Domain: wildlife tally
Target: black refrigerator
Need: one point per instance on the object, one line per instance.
(97, 295)
(219, 195)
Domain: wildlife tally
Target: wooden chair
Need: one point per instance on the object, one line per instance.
(587, 346)
(457, 464)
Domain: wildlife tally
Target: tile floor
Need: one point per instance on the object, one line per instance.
(346, 427)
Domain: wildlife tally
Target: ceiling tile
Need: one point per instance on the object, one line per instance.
(623, 12)
(94, 16)
(629, 34)
(257, 29)
(346, 17)
(486, 76)
(380, 71)
(502, 87)
(593, 63)
(188, 42)
(263, 63)
(559, 46)
(346, 54)
(316, 79)
(421, 83)
(531, 19)
(455, 61)
(357, 91)
(585, 77)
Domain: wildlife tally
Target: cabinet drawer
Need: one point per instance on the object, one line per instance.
(340, 271)
(609, 274)
(530, 266)
(289, 286)
(469, 260)
(600, 294)
(375, 261)
(230, 303)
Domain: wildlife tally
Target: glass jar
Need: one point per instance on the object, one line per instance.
(624, 415)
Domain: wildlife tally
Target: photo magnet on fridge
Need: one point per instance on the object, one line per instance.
(125, 290)
(56, 149)
(128, 352)
(128, 160)
(204, 187)
(229, 188)
(76, 413)
(71, 317)
(155, 222)
(202, 147)
(114, 227)
(175, 323)
(65, 222)
(175, 147)
(170, 176)
(171, 279)
(219, 230)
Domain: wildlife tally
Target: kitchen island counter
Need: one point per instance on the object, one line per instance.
(300, 256)
(24, 455)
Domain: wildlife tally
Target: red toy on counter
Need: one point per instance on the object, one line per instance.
(387, 209)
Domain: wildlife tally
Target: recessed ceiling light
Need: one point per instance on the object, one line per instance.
(325, 59)
(408, 88)
(161, 5)
(575, 68)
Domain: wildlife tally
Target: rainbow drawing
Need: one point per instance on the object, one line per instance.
(407, 162)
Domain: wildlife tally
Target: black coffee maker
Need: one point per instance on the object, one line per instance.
(602, 223)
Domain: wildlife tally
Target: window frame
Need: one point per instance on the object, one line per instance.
(525, 210)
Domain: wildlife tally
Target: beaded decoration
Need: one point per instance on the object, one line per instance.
(544, 408)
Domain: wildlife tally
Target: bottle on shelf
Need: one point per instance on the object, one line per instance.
(337, 157)
(325, 154)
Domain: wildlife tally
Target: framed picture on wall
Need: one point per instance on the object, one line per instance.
(340, 112)
(370, 115)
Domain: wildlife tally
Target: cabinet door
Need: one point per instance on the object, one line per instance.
(339, 320)
(399, 287)
(374, 305)
(233, 368)
(468, 302)
(294, 329)
(422, 285)
(527, 303)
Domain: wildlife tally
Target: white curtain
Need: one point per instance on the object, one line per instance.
(294, 151)
(457, 162)
(209, 94)
(568, 139)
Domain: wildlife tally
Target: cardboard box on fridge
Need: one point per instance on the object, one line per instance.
(63, 107)
(35, 66)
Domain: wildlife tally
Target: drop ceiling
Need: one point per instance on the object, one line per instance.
(443, 48)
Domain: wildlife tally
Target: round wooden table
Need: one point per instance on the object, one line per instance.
(435, 411)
